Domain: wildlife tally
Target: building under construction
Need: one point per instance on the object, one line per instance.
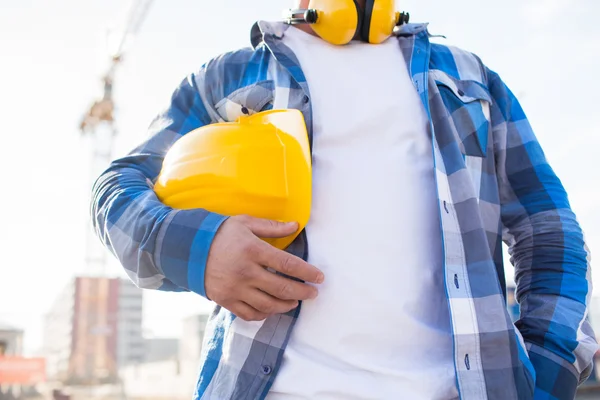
(93, 328)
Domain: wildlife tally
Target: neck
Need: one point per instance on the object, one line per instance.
(306, 28)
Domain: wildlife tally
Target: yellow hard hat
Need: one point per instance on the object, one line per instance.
(259, 165)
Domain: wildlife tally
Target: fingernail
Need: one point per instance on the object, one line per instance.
(314, 294)
(320, 278)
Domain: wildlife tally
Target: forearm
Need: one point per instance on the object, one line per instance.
(119, 196)
(553, 286)
(160, 248)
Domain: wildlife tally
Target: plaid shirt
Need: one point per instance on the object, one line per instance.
(493, 183)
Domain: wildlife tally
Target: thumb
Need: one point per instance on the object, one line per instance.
(266, 228)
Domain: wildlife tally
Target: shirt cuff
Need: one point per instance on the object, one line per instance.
(183, 244)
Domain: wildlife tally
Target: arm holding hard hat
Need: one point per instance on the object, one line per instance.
(220, 258)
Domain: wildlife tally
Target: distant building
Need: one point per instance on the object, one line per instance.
(170, 378)
(93, 328)
(11, 340)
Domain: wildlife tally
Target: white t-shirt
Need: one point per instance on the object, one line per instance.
(380, 328)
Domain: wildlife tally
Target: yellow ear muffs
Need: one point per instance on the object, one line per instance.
(335, 21)
(380, 19)
(339, 21)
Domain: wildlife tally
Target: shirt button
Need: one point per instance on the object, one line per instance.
(266, 369)
(306, 99)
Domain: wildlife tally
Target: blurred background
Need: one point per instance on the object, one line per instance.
(80, 81)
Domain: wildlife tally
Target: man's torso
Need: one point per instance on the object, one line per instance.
(242, 359)
(384, 264)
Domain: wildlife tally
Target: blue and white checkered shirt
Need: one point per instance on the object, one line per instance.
(493, 182)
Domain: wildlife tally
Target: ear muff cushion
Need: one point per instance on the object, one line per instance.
(339, 20)
(380, 19)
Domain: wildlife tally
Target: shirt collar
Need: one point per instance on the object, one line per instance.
(262, 29)
(276, 30)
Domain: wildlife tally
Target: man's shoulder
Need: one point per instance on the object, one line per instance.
(235, 59)
(232, 70)
(458, 63)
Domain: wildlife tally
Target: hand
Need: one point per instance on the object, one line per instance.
(236, 277)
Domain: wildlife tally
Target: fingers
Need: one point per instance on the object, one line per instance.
(288, 264)
(236, 277)
(246, 312)
(267, 304)
(266, 228)
(284, 288)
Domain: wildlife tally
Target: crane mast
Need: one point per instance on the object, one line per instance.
(98, 124)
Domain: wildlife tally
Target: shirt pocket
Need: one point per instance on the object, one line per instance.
(468, 104)
(247, 100)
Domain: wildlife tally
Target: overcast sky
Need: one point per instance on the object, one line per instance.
(53, 53)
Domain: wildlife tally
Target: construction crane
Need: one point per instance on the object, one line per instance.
(98, 123)
(102, 110)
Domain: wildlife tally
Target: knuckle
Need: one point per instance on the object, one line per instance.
(285, 290)
(256, 251)
(286, 265)
(244, 270)
(243, 218)
(268, 307)
(249, 247)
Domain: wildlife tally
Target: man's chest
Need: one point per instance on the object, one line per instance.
(376, 113)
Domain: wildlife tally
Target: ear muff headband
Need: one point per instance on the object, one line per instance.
(366, 25)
